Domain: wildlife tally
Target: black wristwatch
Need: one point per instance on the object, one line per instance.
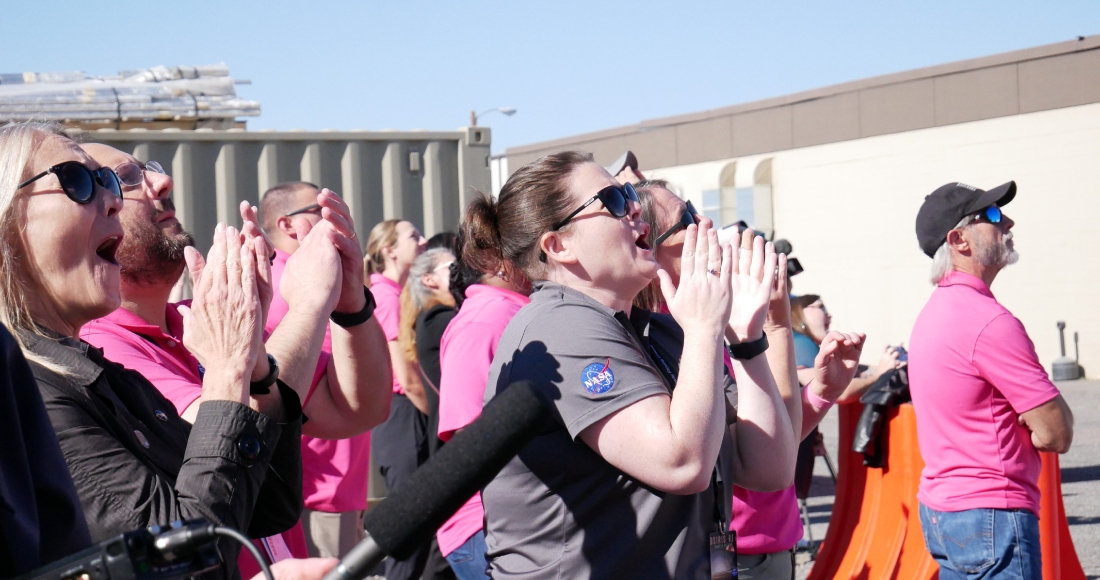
(348, 320)
(263, 386)
(747, 350)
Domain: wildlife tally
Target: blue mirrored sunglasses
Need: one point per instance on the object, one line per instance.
(990, 215)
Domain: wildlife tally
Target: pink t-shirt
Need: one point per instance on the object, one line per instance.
(387, 309)
(162, 359)
(334, 472)
(972, 372)
(766, 522)
(465, 354)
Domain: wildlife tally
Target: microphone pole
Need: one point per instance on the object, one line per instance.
(410, 516)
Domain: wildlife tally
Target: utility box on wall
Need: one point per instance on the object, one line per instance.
(425, 177)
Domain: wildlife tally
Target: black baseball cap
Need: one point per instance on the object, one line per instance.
(627, 159)
(944, 208)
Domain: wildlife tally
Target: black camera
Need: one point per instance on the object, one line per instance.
(158, 553)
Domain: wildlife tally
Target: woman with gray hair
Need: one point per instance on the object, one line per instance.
(134, 461)
(426, 308)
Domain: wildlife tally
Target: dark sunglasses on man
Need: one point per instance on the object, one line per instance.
(687, 218)
(315, 208)
(989, 215)
(78, 182)
(132, 174)
(616, 198)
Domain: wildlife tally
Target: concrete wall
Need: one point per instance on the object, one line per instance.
(424, 177)
(849, 209)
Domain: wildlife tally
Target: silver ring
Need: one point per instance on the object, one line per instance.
(713, 271)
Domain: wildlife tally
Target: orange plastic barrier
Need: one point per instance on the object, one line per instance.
(874, 531)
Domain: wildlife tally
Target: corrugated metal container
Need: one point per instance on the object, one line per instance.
(425, 177)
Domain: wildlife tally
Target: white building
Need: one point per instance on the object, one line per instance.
(841, 171)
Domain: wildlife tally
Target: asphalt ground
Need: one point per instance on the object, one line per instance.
(1080, 479)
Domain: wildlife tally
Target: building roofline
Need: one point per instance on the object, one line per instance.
(1082, 44)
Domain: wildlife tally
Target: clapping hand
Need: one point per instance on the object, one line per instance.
(223, 327)
(702, 298)
(262, 247)
(752, 287)
(779, 306)
(335, 211)
(837, 361)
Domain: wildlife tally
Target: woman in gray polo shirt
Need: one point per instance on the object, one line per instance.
(629, 484)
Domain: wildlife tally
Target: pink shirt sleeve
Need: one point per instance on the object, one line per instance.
(180, 390)
(1005, 356)
(464, 362)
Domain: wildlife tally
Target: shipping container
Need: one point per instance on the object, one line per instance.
(425, 177)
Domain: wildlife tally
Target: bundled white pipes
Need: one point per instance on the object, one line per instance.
(154, 94)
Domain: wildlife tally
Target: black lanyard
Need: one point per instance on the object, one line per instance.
(715, 476)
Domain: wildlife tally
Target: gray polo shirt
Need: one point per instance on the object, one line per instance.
(559, 510)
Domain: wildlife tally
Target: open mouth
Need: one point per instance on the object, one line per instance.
(109, 249)
(641, 240)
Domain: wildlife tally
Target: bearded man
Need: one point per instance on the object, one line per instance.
(985, 406)
(345, 390)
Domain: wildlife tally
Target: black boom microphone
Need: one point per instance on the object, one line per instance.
(409, 517)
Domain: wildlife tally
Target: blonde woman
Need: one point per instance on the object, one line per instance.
(134, 461)
(399, 445)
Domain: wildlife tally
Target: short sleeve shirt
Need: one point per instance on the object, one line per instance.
(466, 353)
(972, 372)
(558, 509)
(334, 471)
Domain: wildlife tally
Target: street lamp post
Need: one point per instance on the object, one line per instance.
(509, 111)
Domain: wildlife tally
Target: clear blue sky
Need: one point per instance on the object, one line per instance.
(569, 67)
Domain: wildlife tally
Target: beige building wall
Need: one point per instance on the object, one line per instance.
(849, 208)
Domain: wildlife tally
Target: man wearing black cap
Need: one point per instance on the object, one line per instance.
(985, 406)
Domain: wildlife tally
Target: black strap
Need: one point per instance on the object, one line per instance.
(350, 319)
(715, 475)
(747, 350)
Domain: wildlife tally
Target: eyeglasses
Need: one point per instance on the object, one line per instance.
(989, 215)
(79, 182)
(132, 174)
(687, 218)
(315, 208)
(616, 198)
(446, 265)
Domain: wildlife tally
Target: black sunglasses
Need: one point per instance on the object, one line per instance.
(79, 182)
(686, 219)
(616, 198)
(315, 208)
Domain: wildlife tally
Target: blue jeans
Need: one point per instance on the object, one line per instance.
(983, 543)
(468, 560)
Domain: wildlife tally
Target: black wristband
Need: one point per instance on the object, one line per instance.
(263, 386)
(348, 320)
(747, 350)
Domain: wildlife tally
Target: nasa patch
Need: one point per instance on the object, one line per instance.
(598, 378)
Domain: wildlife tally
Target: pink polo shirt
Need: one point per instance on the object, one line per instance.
(972, 372)
(387, 308)
(465, 354)
(334, 472)
(162, 359)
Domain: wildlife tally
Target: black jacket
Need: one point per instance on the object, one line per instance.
(136, 463)
(40, 516)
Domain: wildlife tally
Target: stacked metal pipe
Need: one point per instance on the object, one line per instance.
(184, 93)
